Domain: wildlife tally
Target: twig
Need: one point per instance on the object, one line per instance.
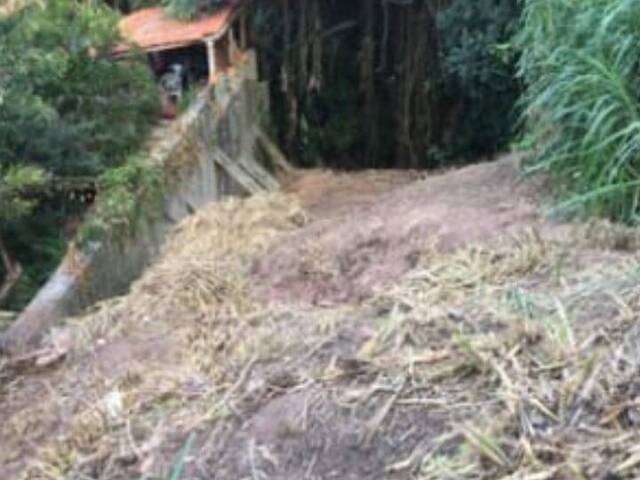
(374, 424)
(312, 464)
(236, 386)
(409, 462)
(255, 473)
(585, 393)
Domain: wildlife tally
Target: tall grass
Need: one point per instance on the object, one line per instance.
(581, 66)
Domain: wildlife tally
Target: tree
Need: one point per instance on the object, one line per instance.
(478, 85)
(407, 83)
(68, 110)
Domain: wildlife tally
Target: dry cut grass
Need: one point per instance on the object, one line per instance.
(527, 352)
(530, 351)
(157, 361)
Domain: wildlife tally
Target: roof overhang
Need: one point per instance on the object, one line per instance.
(153, 30)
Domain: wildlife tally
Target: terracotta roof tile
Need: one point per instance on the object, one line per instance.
(152, 29)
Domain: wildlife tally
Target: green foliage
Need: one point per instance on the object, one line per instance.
(478, 88)
(122, 191)
(138, 4)
(188, 9)
(67, 109)
(42, 227)
(18, 203)
(581, 64)
(64, 97)
(182, 9)
(15, 183)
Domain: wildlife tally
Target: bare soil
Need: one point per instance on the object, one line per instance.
(374, 325)
(367, 232)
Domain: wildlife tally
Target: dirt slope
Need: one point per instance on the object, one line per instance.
(365, 237)
(362, 326)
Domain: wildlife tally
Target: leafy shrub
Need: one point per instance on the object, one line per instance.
(581, 64)
(66, 105)
(478, 88)
(188, 9)
(122, 191)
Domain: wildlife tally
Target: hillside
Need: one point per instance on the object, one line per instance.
(454, 333)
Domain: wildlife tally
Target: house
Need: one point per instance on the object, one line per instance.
(206, 46)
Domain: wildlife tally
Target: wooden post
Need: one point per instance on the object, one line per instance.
(232, 44)
(211, 59)
(243, 31)
(216, 181)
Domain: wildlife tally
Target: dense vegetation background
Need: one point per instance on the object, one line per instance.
(357, 84)
(390, 83)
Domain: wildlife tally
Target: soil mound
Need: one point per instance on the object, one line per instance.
(453, 333)
(365, 232)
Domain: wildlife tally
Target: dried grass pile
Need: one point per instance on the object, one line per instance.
(207, 262)
(158, 361)
(529, 352)
(200, 288)
(520, 360)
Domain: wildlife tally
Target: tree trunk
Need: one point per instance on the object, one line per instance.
(290, 82)
(416, 54)
(397, 68)
(368, 82)
(424, 65)
(302, 39)
(402, 88)
(13, 272)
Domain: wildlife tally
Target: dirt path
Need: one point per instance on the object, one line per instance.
(326, 194)
(376, 325)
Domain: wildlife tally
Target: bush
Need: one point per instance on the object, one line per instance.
(67, 106)
(581, 65)
(478, 89)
